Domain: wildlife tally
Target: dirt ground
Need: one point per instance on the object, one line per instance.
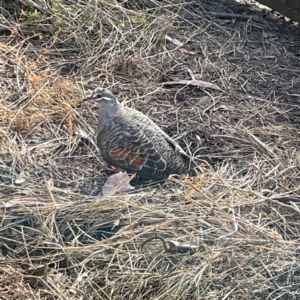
(220, 77)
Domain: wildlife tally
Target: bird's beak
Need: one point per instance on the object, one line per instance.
(93, 96)
(88, 98)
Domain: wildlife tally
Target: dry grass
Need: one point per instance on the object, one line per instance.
(231, 233)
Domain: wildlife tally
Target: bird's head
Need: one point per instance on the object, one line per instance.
(103, 97)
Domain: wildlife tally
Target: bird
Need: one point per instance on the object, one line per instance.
(131, 141)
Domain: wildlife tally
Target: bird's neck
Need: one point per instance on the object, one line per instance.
(106, 113)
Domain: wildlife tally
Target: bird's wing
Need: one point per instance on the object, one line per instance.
(132, 149)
